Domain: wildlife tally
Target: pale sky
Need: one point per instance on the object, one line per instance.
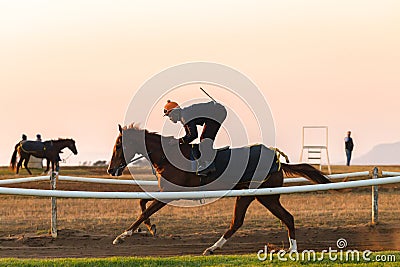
(70, 68)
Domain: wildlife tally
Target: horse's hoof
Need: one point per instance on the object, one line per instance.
(117, 241)
(153, 230)
(208, 252)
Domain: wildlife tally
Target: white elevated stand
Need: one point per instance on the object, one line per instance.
(315, 141)
(35, 163)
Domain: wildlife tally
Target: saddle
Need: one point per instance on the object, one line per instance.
(32, 146)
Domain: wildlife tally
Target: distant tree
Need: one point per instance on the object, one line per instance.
(100, 163)
(141, 163)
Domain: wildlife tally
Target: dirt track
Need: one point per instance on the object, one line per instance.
(191, 230)
(73, 243)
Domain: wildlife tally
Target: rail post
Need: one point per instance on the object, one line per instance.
(53, 180)
(374, 198)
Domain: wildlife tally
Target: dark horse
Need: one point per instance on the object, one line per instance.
(49, 150)
(154, 152)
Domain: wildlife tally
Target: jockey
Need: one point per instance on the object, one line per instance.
(210, 115)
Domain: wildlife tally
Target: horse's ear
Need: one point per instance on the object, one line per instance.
(120, 128)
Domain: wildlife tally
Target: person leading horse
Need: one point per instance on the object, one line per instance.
(49, 150)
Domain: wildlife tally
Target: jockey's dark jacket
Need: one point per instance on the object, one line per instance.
(191, 129)
(210, 114)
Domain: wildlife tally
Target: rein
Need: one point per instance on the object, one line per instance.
(147, 156)
(142, 156)
(65, 159)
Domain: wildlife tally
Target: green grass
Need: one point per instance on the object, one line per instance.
(221, 260)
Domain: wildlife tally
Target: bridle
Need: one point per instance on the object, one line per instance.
(123, 164)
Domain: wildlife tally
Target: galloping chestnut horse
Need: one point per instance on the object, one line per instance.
(153, 151)
(49, 150)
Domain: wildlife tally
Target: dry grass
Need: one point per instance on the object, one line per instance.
(20, 215)
(29, 214)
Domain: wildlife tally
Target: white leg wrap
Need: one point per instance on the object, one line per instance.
(127, 233)
(293, 245)
(218, 244)
(121, 237)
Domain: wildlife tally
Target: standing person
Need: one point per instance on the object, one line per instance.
(38, 138)
(210, 115)
(349, 145)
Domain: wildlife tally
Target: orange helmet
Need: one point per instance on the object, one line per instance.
(169, 107)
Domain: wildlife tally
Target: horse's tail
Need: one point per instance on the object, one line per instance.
(13, 162)
(305, 170)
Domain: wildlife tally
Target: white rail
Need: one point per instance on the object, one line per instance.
(200, 194)
(155, 183)
(384, 173)
(107, 181)
(24, 180)
(80, 179)
(347, 175)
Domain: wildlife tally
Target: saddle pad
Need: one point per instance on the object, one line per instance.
(267, 161)
(33, 146)
(196, 150)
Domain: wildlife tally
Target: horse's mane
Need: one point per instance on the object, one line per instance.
(136, 127)
(133, 126)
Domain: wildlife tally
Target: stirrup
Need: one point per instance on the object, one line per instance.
(209, 169)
